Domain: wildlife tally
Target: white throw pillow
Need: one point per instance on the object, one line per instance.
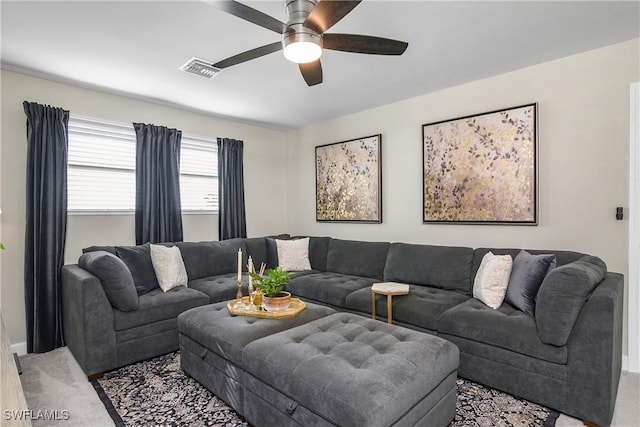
(293, 255)
(492, 279)
(169, 267)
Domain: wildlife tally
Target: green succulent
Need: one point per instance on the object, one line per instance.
(272, 284)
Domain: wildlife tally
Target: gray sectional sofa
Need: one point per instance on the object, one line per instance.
(566, 357)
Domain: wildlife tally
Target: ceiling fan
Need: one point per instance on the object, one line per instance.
(304, 37)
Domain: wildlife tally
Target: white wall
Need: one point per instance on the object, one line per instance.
(264, 173)
(583, 157)
(88, 230)
(583, 139)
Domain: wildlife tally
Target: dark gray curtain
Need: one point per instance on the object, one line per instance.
(46, 228)
(232, 219)
(158, 212)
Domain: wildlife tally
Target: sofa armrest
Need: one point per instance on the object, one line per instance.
(88, 321)
(595, 353)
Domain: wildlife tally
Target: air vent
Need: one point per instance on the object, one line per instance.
(200, 67)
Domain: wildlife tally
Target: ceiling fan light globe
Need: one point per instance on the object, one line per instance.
(302, 52)
(301, 45)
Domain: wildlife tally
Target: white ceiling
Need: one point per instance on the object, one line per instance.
(136, 48)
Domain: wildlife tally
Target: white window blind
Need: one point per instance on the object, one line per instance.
(101, 174)
(102, 160)
(198, 174)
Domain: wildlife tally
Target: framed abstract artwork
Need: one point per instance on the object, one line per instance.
(349, 181)
(482, 169)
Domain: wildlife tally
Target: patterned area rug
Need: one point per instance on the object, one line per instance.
(157, 393)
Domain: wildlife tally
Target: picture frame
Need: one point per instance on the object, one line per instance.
(482, 168)
(349, 181)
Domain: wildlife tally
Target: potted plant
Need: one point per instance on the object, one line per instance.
(271, 285)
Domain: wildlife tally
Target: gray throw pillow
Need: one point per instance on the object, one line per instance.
(562, 295)
(527, 274)
(115, 278)
(138, 260)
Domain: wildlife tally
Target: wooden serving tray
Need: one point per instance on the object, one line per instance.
(295, 307)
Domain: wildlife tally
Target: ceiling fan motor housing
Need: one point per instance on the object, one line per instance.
(298, 10)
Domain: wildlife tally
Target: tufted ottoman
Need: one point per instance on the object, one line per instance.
(347, 370)
(212, 341)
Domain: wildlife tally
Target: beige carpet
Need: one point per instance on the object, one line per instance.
(54, 381)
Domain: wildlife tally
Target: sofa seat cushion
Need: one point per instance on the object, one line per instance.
(506, 327)
(329, 288)
(421, 307)
(222, 287)
(295, 274)
(156, 306)
(442, 267)
(352, 370)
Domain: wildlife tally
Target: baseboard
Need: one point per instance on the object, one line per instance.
(19, 348)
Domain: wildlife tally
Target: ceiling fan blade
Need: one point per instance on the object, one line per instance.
(327, 13)
(249, 55)
(312, 72)
(357, 43)
(247, 13)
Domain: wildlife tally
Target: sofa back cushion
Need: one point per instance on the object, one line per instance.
(110, 249)
(318, 247)
(442, 267)
(115, 277)
(205, 259)
(138, 260)
(258, 249)
(364, 259)
(562, 295)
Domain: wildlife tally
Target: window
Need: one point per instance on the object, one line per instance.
(102, 161)
(101, 174)
(198, 174)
